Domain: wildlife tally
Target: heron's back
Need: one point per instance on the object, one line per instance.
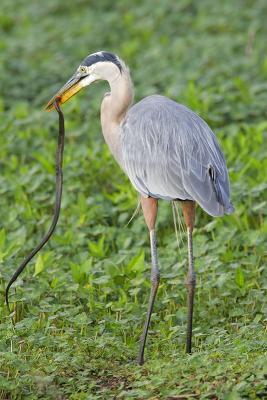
(169, 152)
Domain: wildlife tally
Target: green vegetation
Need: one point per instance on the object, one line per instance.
(80, 305)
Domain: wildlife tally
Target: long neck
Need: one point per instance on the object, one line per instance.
(114, 107)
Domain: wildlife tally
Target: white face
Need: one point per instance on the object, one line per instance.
(100, 71)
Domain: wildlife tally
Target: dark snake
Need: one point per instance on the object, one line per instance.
(59, 184)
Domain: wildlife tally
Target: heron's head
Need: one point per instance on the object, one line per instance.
(97, 66)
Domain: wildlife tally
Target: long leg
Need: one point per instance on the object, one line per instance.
(189, 216)
(150, 213)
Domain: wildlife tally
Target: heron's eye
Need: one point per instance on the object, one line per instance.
(83, 70)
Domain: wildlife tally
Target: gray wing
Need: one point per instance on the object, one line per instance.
(169, 152)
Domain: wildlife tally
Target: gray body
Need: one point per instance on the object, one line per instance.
(170, 153)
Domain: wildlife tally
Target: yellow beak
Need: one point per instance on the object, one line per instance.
(72, 87)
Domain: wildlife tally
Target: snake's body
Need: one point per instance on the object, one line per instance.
(59, 184)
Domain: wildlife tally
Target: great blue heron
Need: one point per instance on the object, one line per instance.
(167, 151)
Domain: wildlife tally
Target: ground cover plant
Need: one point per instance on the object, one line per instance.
(80, 306)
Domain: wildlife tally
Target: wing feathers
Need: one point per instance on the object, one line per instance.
(169, 152)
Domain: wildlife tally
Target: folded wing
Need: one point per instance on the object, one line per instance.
(169, 152)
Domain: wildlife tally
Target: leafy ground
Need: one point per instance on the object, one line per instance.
(80, 305)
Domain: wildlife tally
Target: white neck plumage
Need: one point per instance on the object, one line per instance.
(115, 105)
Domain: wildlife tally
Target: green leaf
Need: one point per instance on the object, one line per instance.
(53, 283)
(77, 274)
(239, 277)
(257, 318)
(86, 266)
(39, 265)
(44, 162)
(97, 249)
(2, 238)
(137, 263)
